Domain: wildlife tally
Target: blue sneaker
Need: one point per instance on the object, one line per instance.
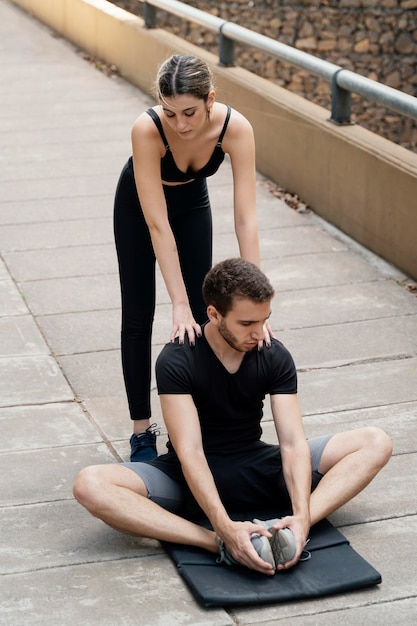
(143, 445)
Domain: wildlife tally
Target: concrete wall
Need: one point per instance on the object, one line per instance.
(362, 183)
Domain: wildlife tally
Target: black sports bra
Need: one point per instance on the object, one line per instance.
(170, 173)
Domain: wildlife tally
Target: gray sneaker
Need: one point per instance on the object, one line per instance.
(279, 548)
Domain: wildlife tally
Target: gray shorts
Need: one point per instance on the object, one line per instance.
(170, 494)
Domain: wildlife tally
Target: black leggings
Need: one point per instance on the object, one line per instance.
(189, 215)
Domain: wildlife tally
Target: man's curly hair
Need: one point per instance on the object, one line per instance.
(235, 279)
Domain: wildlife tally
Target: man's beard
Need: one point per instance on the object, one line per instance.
(228, 336)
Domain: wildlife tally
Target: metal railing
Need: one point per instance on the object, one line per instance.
(343, 82)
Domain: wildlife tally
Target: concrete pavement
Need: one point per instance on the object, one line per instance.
(345, 315)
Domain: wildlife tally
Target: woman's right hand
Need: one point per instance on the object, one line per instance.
(183, 322)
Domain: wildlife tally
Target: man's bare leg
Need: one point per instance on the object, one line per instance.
(350, 461)
(118, 497)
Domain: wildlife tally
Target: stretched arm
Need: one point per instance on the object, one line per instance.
(147, 153)
(181, 419)
(296, 465)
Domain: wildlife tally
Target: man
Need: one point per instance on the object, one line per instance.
(212, 398)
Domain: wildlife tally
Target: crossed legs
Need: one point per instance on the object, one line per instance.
(118, 496)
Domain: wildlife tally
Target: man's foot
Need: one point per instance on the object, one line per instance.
(278, 549)
(143, 445)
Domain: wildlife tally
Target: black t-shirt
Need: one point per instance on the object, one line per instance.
(230, 406)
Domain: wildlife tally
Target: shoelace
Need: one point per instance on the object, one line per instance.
(305, 554)
(153, 430)
(222, 557)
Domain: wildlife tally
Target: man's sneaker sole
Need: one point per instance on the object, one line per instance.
(275, 550)
(282, 544)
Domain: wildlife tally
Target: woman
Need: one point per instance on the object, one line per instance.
(162, 212)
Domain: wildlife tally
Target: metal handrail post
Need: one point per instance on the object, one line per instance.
(341, 102)
(226, 49)
(149, 14)
(372, 90)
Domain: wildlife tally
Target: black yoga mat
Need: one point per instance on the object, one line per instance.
(334, 567)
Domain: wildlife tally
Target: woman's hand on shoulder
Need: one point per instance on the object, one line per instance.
(183, 322)
(268, 334)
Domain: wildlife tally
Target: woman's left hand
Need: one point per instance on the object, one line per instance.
(268, 334)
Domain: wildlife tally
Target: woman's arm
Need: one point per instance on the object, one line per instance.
(147, 152)
(239, 143)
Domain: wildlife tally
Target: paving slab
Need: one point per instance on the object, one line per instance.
(60, 534)
(39, 155)
(322, 269)
(81, 113)
(32, 380)
(94, 166)
(48, 474)
(87, 331)
(4, 274)
(398, 420)
(387, 497)
(306, 239)
(73, 293)
(396, 612)
(58, 424)
(94, 374)
(359, 386)
(53, 209)
(336, 304)
(221, 197)
(347, 343)
(11, 301)
(112, 415)
(80, 259)
(19, 336)
(105, 594)
(398, 567)
(90, 134)
(78, 293)
(101, 99)
(56, 234)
